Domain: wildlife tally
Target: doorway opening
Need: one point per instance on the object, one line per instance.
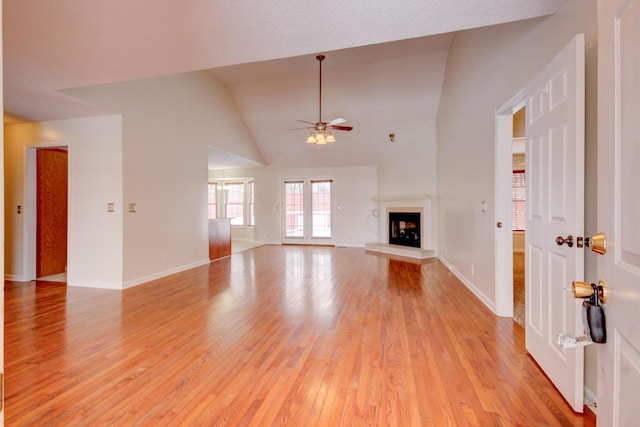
(518, 217)
(508, 127)
(307, 211)
(46, 214)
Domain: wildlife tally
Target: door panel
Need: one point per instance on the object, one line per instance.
(555, 183)
(619, 209)
(51, 248)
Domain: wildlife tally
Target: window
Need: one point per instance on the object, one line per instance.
(212, 198)
(321, 209)
(234, 206)
(518, 200)
(232, 198)
(251, 219)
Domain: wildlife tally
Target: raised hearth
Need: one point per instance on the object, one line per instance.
(404, 251)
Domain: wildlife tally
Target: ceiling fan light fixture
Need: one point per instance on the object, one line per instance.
(311, 139)
(330, 137)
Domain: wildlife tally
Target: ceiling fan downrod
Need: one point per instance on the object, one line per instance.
(320, 58)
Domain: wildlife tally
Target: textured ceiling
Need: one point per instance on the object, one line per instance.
(264, 51)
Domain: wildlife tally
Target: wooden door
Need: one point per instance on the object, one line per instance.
(51, 234)
(619, 209)
(555, 204)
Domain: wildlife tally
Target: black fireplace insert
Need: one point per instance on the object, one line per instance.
(404, 229)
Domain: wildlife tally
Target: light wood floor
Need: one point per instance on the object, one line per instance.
(299, 336)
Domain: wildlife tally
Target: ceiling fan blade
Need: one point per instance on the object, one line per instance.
(306, 127)
(304, 121)
(347, 128)
(337, 121)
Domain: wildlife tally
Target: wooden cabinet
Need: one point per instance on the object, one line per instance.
(219, 238)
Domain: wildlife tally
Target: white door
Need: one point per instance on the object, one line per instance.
(619, 209)
(307, 211)
(555, 202)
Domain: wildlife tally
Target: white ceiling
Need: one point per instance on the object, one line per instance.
(383, 72)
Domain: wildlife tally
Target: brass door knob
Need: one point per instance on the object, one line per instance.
(586, 290)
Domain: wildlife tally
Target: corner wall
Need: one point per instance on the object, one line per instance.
(354, 190)
(95, 179)
(486, 67)
(168, 124)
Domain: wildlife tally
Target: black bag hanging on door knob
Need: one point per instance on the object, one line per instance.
(594, 314)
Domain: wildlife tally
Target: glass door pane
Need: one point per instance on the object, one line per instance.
(294, 209)
(321, 209)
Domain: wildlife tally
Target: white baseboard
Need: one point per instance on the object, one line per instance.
(591, 400)
(481, 296)
(144, 279)
(15, 278)
(94, 284)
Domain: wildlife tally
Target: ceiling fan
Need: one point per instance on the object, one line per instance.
(321, 130)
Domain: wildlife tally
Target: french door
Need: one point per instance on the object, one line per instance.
(307, 211)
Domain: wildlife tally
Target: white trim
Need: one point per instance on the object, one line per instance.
(410, 198)
(591, 398)
(503, 257)
(481, 296)
(161, 274)
(94, 284)
(15, 278)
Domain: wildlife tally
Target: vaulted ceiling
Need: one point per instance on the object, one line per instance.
(383, 73)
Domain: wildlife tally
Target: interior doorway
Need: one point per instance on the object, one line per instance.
(504, 157)
(47, 213)
(518, 217)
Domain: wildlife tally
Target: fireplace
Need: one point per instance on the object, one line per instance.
(404, 229)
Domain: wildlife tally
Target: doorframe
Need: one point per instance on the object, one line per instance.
(30, 225)
(503, 201)
(307, 195)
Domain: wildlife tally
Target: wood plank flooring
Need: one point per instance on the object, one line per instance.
(276, 335)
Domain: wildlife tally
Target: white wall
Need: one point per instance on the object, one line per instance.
(412, 171)
(168, 124)
(353, 190)
(95, 178)
(486, 67)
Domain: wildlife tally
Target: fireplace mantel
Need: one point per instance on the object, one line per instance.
(403, 198)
